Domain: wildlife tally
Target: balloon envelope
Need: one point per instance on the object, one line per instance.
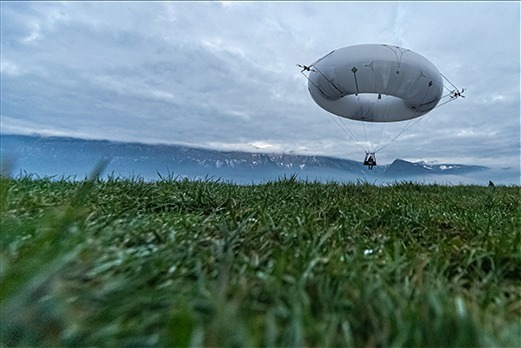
(375, 83)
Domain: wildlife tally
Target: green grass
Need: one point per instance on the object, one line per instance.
(287, 263)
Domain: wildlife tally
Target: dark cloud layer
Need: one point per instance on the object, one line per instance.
(224, 75)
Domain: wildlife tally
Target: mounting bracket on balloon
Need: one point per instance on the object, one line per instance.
(306, 68)
(313, 68)
(457, 93)
(453, 92)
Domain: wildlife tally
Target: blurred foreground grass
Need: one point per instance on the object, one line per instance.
(287, 263)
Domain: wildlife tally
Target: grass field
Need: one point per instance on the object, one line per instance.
(287, 263)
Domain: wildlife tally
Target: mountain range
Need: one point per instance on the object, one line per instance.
(62, 157)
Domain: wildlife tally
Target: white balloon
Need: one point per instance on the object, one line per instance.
(375, 83)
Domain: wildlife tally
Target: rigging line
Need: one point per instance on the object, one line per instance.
(320, 72)
(446, 102)
(449, 81)
(396, 137)
(370, 136)
(319, 59)
(446, 95)
(314, 84)
(371, 126)
(382, 127)
(341, 126)
(447, 88)
(409, 125)
(397, 49)
(362, 119)
(331, 82)
(339, 122)
(366, 139)
(406, 128)
(379, 131)
(346, 130)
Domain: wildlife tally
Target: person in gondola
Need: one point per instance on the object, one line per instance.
(370, 160)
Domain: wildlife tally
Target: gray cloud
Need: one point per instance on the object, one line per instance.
(224, 75)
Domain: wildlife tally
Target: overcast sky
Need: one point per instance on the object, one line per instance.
(223, 74)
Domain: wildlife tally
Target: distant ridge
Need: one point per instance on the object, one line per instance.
(75, 158)
(400, 167)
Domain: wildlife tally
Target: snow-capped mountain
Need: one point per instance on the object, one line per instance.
(76, 158)
(400, 167)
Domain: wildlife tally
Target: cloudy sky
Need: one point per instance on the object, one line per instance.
(223, 74)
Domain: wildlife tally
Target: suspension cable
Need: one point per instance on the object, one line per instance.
(366, 137)
(453, 93)
(452, 96)
(407, 126)
(382, 127)
(456, 88)
(329, 81)
(346, 130)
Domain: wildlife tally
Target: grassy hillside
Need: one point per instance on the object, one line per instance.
(287, 263)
